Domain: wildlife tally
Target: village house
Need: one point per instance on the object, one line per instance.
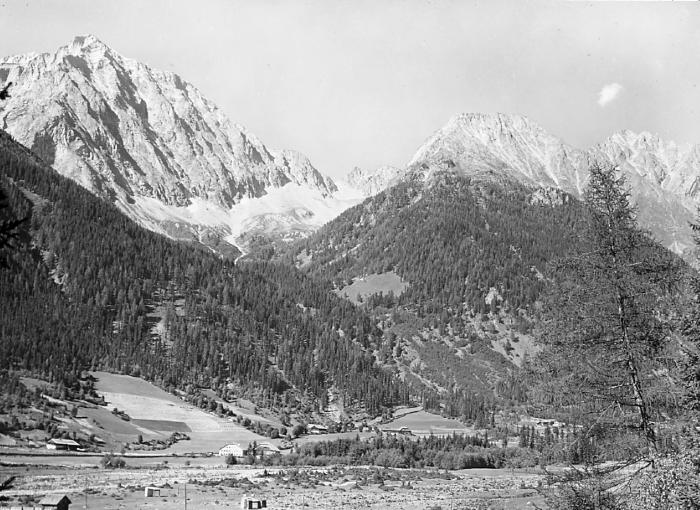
(404, 431)
(266, 449)
(62, 444)
(231, 449)
(315, 428)
(55, 501)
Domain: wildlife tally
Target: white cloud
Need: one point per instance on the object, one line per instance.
(609, 93)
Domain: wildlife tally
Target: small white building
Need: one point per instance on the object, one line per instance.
(151, 492)
(248, 503)
(231, 449)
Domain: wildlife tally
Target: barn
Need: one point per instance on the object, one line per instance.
(55, 501)
(62, 444)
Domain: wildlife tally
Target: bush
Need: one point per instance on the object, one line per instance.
(111, 461)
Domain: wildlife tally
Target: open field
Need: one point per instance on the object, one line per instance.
(374, 284)
(422, 423)
(148, 406)
(245, 409)
(212, 486)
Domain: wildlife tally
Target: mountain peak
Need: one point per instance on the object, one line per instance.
(88, 43)
(504, 118)
(151, 142)
(371, 183)
(493, 121)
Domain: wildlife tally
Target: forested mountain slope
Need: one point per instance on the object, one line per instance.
(88, 288)
(453, 242)
(473, 253)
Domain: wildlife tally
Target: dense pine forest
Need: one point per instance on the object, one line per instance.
(83, 287)
(452, 242)
(474, 254)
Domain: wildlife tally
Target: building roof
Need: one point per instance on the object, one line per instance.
(64, 442)
(54, 499)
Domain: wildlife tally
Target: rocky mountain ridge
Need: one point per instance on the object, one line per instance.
(152, 143)
(663, 177)
(169, 158)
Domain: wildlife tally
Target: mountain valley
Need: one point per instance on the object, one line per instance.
(165, 242)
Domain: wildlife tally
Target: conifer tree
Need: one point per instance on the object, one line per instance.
(603, 326)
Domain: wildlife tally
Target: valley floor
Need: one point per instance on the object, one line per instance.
(209, 484)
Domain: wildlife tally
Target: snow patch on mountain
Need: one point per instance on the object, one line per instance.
(288, 212)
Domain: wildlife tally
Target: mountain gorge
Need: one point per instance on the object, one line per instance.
(155, 146)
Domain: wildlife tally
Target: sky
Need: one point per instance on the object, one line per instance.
(364, 83)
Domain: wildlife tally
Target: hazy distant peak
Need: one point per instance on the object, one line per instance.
(371, 183)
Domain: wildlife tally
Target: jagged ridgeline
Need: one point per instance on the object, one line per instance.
(461, 244)
(85, 287)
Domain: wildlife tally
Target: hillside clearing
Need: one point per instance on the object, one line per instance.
(156, 413)
(422, 423)
(373, 284)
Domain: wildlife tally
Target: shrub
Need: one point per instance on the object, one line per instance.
(112, 461)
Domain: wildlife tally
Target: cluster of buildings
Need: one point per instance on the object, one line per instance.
(258, 450)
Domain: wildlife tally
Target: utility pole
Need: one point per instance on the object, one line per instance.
(185, 496)
(86, 488)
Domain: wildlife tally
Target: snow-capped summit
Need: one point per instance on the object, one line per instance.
(148, 140)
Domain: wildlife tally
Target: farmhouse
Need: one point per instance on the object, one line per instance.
(315, 428)
(405, 431)
(231, 449)
(266, 449)
(57, 501)
(62, 444)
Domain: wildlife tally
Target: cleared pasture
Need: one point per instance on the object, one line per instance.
(156, 413)
(373, 284)
(422, 422)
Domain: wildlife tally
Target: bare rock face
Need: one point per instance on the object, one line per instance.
(481, 144)
(152, 144)
(372, 183)
(143, 138)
